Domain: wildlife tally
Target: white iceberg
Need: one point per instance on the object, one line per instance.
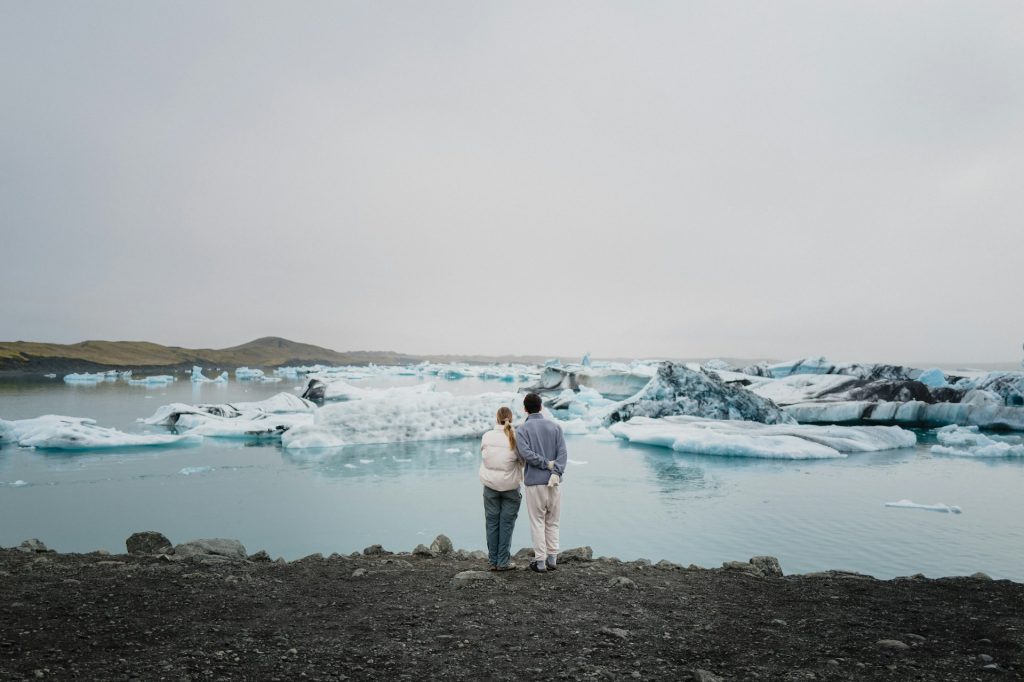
(733, 438)
(55, 432)
(253, 420)
(158, 380)
(85, 378)
(428, 416)
(191, 471)
(328, 390)
(968, 441)
(908, 504)
(198, 378)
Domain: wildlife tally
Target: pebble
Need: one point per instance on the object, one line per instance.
(892, 644)
(359, 572)
(620, 581)
(614, 632)
(984, 658)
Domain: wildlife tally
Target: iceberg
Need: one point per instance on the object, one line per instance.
(911, 413)
(730, 438)
(198, 378)
(158, 380)
(907, 504)
(85, 378)
(320, 390)
(968, 441)
(55, 432)
(427, 416)
(246, 374)
(612, 382)
(253, 420)
(679, 390)
(933, 378)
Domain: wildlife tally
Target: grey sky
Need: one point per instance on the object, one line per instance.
(633, 179)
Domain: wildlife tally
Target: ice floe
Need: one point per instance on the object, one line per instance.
(908, 504)
(752, 439)
(191, 471)
(55, 432)
(198, 378)
(968, 441)
(428, 416)
(158, 380)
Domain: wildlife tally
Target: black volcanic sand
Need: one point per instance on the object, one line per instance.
(90, 616)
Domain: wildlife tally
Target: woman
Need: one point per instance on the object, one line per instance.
(501, 473)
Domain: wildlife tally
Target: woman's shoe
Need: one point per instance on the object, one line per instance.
(538, 567)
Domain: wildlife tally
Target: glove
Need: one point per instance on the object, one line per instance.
(554, 481)
(551, 465)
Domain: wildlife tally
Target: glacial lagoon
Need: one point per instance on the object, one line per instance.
(622, 499)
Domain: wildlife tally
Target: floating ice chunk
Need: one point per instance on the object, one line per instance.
(911, 413)
(351, 466)
(717, 365)
(366, 461)
(586, 360)
(85, 378)
(933, 378)
(331, 390)
(18, 484)
(453, 450)
(907, 504)
(753, 439)
(282, 403)
(190, 471)
(400, 459)
(158, 380)
(50, 376)
(799, 388)
(246, 374)
(198, 378)
(578, 462)
(55, 432)
(678, 390)
(960, 441)
(251, 420)
(616, 382)
(428, 416)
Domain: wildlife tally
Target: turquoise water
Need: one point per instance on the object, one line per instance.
(623, 500)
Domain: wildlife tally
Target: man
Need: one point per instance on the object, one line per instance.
(542, 448)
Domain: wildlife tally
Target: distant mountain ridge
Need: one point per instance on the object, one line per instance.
(269, 351)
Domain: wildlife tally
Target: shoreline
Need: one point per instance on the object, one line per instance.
(207, 610)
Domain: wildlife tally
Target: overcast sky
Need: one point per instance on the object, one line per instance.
(633, 179)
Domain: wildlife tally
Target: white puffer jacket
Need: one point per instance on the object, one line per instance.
(500, 469)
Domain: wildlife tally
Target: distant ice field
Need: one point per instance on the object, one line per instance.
(629, 500)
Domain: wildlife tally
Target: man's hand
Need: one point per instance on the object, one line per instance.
(551, 465)
(554, 481)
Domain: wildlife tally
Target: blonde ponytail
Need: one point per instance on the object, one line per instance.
(505, 419)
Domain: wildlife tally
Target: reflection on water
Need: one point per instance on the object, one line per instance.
(621, 499)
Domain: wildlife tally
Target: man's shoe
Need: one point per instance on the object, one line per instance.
(507, 567)
(538, 567)
(492, 567)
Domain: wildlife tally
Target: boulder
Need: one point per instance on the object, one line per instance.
(619, 581)
(373, 550)
(422, 550)
(32, 546)
(704, 676)
(478, 555)
(570, 555)
(441, 546)
(741, 567)
(148, 542)
(768, 565)
(667, 565)
(526, 554)
(222, 547)
(260, 556)
(894, 644)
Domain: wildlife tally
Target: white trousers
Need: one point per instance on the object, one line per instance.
(544, 505)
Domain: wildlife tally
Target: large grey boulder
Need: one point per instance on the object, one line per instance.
(575, 554)
(743, 567)
(32, 546)
(222, 547)
(148, 542)
(768, 565)
(441, 546)
(422, 550)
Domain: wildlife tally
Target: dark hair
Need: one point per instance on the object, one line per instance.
(532, 403)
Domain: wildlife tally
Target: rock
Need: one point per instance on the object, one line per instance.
(223, 547)
(524, 554)
(398, 563)
(850, 575)
(460, 555)
(695, 567)
(832, 662)
(610, 560)
(705, 676)
(441, 546)
(469, 578)
(359, 573)
(373, 550)
(667, 565)
(260, 556)
(892, 644)
(211, 559)
(984, 658)
(911, 636)
(102, 552)
(614, 632)
(148, 542)
(768, 565)
(32, 545)
(478, 555)
(574, 554)
(422, 550)
(641, 564)
(990, 666)
(620, 581)
(748, 568)
(313, 557)
(779, 622)
(981, 576)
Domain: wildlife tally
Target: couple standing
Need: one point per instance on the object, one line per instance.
(534, 454)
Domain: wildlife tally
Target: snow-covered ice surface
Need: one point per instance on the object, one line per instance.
(55, 432)
(427, 416)
(730, 438)
(908, 504)
(968, 441)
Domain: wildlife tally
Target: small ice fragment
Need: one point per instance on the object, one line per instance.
(188, 471)
(18, 483)
(366, 461)
(576, 461)
(907, 504)
(453, 450)
(351, 466)
(399, 459)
